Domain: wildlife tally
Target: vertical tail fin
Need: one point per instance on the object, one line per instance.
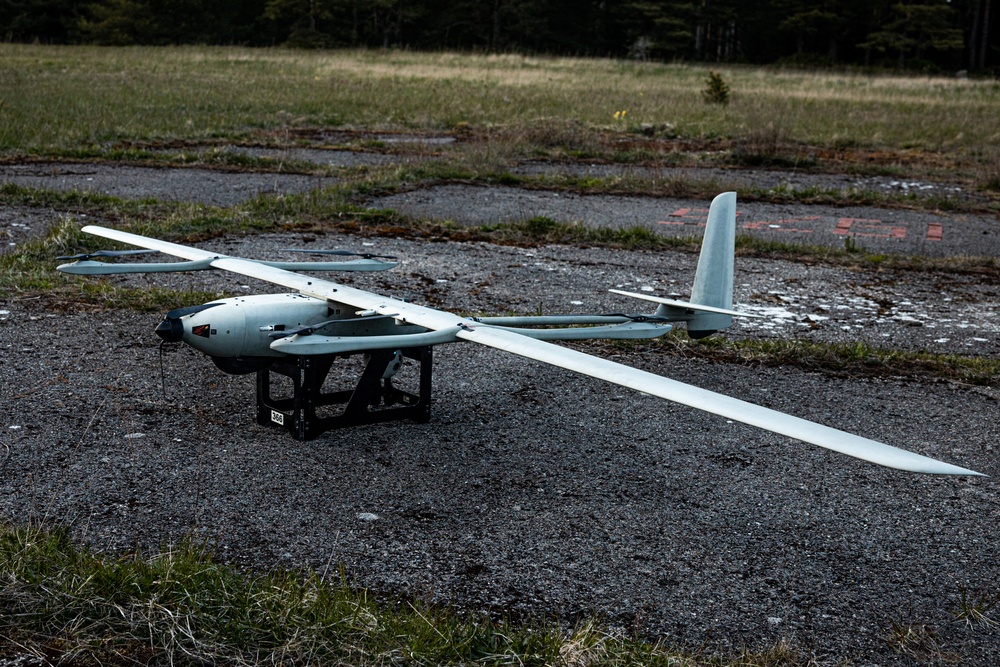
(713, 281)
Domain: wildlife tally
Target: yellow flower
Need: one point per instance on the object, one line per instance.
(620, 115)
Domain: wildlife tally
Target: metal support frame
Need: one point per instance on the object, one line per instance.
(373, 400)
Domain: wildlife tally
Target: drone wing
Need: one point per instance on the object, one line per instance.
(709, 401)
(454, 327)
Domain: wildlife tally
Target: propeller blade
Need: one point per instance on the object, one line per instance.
(170, 328)
(107, 253)
(346, 253)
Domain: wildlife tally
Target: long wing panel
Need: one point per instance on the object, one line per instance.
(702, 399)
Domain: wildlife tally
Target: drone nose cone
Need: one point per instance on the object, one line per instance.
(170, 329)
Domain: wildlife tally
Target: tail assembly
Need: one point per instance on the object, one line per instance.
(711, 305)
(713, 281)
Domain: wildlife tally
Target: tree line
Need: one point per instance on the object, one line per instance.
(922, 35)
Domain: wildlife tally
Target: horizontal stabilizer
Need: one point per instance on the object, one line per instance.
(107, 253)
(198, 260)
(92, 268)
(684, 305)
(351, 265)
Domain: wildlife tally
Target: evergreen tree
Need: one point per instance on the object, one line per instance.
(659, 30)
(917, 28)
(118, 23)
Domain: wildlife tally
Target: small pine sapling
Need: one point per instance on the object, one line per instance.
(716, 90)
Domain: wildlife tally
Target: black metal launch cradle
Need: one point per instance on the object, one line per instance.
(375, 399)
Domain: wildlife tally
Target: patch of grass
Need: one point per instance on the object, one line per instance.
(30, 269)
(988, 170)
(919, 642)
(66, 604)
(13, 194)
(975, 607)
(220, 158)
(769, 146)
(652, 181)
(855, 359)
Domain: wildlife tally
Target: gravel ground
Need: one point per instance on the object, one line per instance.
(530, 490)
(534, 491)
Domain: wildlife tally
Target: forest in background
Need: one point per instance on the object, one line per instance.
(914, 35)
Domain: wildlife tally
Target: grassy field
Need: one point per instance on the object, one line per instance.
(63, 98)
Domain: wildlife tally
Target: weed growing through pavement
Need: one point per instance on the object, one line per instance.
(916, 641)
(974, 607)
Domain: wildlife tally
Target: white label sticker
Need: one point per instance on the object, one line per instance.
(278, 417)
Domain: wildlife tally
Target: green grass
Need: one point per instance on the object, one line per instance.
(30, 270)
(68, 97)
(70, 605)
(855, 359)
